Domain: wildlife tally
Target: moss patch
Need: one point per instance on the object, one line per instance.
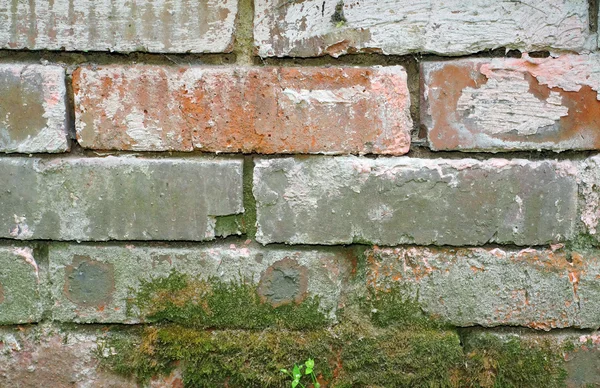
(231, 358)
(232, 225)
(396, 307)
(385, 342)
(211, 303)
(495, 362)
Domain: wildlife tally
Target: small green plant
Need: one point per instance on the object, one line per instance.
(296, 374)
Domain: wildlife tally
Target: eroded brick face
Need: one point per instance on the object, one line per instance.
(537, 288)
(176, 26)
(251, 110)
(33, 111)
(508, 104)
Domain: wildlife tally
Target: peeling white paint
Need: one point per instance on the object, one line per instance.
(325, 96)
(452, 27)
(502, 106)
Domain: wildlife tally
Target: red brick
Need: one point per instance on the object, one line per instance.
(512, 104)
(262, 110)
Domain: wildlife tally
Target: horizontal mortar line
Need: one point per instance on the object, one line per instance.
(420, 152)
(64, 325)
(241, 240)
(105, 58)
(522, 330)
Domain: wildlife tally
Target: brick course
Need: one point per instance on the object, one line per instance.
(392, 201)
(177, 26)
(252, 110)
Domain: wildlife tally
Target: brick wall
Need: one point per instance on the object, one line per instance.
(200, 193)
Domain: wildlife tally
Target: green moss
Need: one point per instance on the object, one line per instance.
(229, 225)
(582, 241)
(397, 307)
(502, 363)
(249, 216)
(387, 341)
(212, 303)
(351, 354)
(213, 358)
(401, 358)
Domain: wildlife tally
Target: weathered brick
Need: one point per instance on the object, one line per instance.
(33, 114)
(589, 190)
(263, 110)
(20, 300)
(117, 198)
(92, 283)
(53, 356)
(314, 27)
(340, 200)
(542, 289)
(507, 104)
(177, 26)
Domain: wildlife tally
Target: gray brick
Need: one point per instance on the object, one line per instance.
(315, 27)
(33, 113)
(589, 190)
(177, 26)
(90, 283)
(20, 300)
(117, 198)
(541, 289)
(340, 200)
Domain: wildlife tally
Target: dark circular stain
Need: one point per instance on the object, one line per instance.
(284, 282)
(89, 283)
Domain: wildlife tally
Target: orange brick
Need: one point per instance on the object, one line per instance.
(253, 110)
(506, 104)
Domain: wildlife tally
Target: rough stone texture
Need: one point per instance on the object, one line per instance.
(20, 280)
(323, 200)
(541, 289)
(33, 113)
(508, 104)
(239, 109)
(50, 356)
(316, 27)
(589, 193)
(117, 198)
(171, 26)
(92, 283)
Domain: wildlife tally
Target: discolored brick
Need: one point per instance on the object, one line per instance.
(242, 109)
(391, 201)
(33, 113)
(53, 356)
(506, 104)
(117, 198)
(537, 288)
